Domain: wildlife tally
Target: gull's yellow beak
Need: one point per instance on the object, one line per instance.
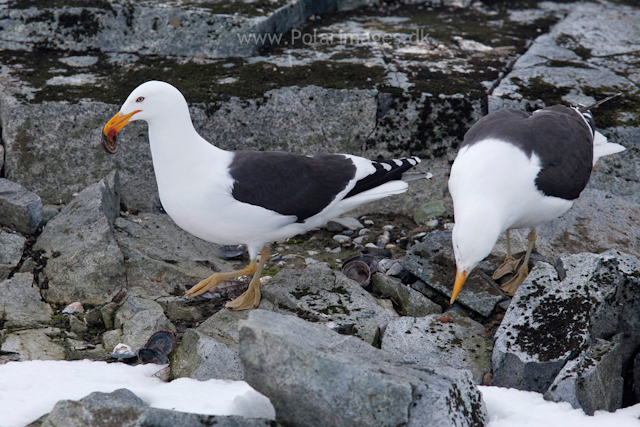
(118, 122)
(110, 130)
(460, 279)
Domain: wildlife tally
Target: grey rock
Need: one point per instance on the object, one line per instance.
(430, 342)
(202, 358)
(591, 382)
(636, 376)
(20, 302)
(315, 377)
(84, 262)
(138, 318)
(20, 209)
(48, 212)
(76, 325)
(320, 294)
(409, 301)
(12, 248)
(28, 266)
(129, 410)
(433, 262)
(161, 258)
(33, 344)
(551, 320)
(182, 309)
(108, 312)
(223, 327)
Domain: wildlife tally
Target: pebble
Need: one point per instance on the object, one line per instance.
(348, 232)
(388, 227)
(371, 245)
(419, 235)
(449, 225)
(432, 223)
(312, 253)
(383, 240)
(363, 231)
(73, 308)
(281, 264)
(389, 246)
(394, 270)
(341, 238)
(265, 279)
(310, 261)
(368, 222)
(359, 240)
(445, 319)
(276, 257)
(290, 256)
(333, 251)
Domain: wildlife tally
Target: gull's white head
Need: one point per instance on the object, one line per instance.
(153, 100)
(474, 236)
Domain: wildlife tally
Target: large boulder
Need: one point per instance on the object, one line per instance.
(83, 260)
(316, 377)
(556, 337)
(452, 340)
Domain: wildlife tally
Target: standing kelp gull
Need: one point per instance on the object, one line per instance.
(519, 170)
(250, 197)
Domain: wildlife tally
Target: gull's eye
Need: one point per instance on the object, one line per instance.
(140, 99)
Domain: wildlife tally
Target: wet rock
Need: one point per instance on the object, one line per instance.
(20, 302)
(33, 344)
(316, 377)
(138, 318)
(553, 317)
(319, 294)
(591, 382)
(409, 302)
(12, 248)
(161, 258)
(433, 262)
(84, 262)
(20, 209)
(457, 343)
(128, 409)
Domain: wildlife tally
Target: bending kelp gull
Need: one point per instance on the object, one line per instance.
(247, 197)
(519, 170)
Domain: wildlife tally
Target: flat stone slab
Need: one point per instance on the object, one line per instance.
(319, 294)
(33, 344)
(316, 377)
(128, 409)
(20, 209)
(433, 262)
(428, 341)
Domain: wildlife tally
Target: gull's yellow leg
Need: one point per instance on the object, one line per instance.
(512, 285)
(251, 298)
(510, 264)
(217, 278)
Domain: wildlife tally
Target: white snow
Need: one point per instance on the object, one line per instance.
(509, 407)
(29, 390)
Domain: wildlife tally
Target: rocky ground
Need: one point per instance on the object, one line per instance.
(363, 77)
